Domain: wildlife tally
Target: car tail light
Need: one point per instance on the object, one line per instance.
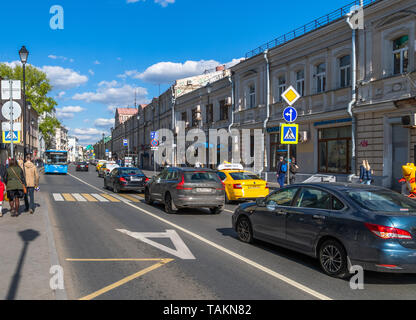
(237, 186)
(122, 179)
(267, 186)
(388, 232)
(180, 185)
(147, 179)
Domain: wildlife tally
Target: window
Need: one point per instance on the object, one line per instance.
(223, 110)
(183, 116)
(222, 175)
(336, 204)
(201, 176)
(282, 197)
(334, 150)
(244, 176)
(300, 82)
(345, 71)
(251, 98)
(194, 118)
(381, 200)
(320, 77)
(281, 87)
(314, 198)
(400, 55)
(210, 113)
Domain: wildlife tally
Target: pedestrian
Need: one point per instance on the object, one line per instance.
(15, 185)
(281, 171)
(20, 162)
(32, 182)
(294, 168)
(365, 173)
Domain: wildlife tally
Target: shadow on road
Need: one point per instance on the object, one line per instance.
(27, 236)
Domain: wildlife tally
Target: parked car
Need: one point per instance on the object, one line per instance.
(122, 179)
(371, 226)
(106, 168)
(81, 166)
(180, 188)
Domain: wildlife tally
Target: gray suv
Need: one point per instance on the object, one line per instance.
(180, 188)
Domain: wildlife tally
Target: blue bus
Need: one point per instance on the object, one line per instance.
(56, 161)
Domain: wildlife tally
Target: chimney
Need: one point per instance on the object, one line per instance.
(220, 68)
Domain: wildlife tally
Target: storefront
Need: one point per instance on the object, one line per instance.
(277, 149)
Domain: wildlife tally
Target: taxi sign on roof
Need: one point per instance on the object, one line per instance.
(290, 95)
(230, 166)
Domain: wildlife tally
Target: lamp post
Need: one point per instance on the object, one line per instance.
(32, 123)
(23, 53)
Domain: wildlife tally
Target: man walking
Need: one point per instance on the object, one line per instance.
(293, 170)
(32, 182)
(281, 171)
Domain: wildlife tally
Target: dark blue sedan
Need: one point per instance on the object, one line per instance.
(125, 179)
(340, 224)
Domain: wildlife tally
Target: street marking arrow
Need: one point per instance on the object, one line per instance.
(180, 251)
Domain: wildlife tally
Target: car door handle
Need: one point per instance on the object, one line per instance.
(318, 217)
(281, 212)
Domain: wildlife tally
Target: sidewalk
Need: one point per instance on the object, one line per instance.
(27, 254)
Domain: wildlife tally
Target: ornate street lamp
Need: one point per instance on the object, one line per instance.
(23, 53)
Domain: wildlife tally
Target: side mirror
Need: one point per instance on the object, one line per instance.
(260, 202)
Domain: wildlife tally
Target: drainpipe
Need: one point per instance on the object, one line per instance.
(354, 97)
(173, 125)
(265, 163)
(230, 78)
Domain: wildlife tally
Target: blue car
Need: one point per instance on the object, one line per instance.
(339, 224)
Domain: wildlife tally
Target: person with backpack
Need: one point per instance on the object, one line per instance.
(281, 171)
(16, 186)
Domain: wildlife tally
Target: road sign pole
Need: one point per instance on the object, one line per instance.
(288, 163)
(11, 119)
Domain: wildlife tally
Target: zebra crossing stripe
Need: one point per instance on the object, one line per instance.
(79, 197)
(99, 198)
(57, 197)
(68, 197)
(131, 198)
(107, 196)
(89, 197)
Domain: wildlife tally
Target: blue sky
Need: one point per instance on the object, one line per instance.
(109, 49)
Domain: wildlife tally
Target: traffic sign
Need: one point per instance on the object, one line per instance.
(16, 89)
(154, 135)
(154, 143)
(289, 133)
(7, 136)
(290, 114)
(5, 126)
(290, 95)
(125, 142)
(6, 110)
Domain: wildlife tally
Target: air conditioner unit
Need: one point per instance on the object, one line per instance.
(303, 136)
(409, 121)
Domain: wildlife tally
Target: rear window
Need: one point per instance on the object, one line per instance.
(244, 176)
(201, 176)
(380, 200)
(132, 171)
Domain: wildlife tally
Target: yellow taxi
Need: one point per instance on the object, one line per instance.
(241, 184)
(99, 165)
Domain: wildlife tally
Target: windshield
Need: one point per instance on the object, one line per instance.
(244, 176)
(132, 171)
(201, 176)
(381, 200)
(56, 158)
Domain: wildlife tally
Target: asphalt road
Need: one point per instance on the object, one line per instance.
(222, 268)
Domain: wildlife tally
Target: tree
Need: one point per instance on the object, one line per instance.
(37, 88)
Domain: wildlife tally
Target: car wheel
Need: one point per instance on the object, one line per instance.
(216, 210)
(333, 259)
(105, 184)
(169, 205)
(244, 230)
(147, 198)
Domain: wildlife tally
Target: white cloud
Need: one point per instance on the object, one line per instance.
(109, 94)
(63, 78)
(60, 94)
(108, 84)
(87, 131)
(104, 123)
(68, 112)
(91, 72)
(166, 72)
(54, 57)
(72, 109)
(97, 62)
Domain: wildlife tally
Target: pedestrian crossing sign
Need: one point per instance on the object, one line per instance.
(289, 133)
(7, 136)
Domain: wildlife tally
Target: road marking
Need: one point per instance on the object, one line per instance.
(79, 197)
(89, 197)
(181, 250)
(227, 251)
(125, 280)
(108, 197)
(99, 198)
(115, 259)
(57, 197)
(68, 197)
(128, 197)
(228, 210)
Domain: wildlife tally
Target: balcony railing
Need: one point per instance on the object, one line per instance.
(309, 27)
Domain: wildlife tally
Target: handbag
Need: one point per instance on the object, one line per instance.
(23, 185)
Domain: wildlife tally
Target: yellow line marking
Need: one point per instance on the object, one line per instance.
(128, 197)
(89, 197)
(107, 196)
(114, 259)
(125, 280)
(68, 197)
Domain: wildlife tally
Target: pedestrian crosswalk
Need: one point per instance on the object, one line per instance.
(96, 197)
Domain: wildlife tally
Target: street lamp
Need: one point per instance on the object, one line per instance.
(32, 123)
(23, 53)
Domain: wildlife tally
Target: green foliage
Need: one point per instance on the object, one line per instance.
(37, 88)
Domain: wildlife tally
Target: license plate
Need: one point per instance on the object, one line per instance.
(254, 187)
(206, 190)
(135, 179)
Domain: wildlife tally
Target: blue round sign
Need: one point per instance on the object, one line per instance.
(290, 114)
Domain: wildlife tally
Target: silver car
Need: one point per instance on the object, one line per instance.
(180, 188)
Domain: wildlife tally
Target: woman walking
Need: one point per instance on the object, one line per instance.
(32, 182)
(15, 185)
(365, 173)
